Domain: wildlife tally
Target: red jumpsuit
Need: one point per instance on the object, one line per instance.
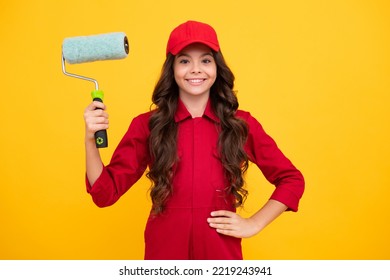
(182, 231)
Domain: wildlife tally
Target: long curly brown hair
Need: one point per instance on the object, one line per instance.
(163, 133)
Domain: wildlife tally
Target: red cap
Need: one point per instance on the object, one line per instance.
(192, 32)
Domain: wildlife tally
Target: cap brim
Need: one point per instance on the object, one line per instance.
(178, 48)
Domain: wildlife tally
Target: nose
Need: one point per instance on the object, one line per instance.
(196, 68)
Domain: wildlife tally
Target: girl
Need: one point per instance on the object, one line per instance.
(197, 145)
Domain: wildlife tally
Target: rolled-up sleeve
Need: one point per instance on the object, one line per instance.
(275, 166)
(127, 165)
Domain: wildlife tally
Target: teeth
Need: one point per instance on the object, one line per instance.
(195, 80)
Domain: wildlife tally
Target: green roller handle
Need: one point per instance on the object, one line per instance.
(101, 139)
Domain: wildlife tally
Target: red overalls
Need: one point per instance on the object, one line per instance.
(182, 231)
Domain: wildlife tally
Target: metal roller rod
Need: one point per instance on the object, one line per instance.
(78, 76)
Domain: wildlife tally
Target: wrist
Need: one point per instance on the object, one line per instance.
(257, 224)
(89, 142)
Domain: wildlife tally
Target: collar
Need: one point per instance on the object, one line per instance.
(182, 112)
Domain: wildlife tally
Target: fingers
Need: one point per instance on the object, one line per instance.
(228, 232)
(222, 213)
(95, 118)
(224, 222)
(223, 226)
(96, 105)
(231, 224)
(222, 217)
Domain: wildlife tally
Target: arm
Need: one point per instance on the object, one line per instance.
(278, 170)
(232, 224)
(107, 183)
(95, 120)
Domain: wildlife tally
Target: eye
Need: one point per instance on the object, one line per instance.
(207, 60)
(184, 61)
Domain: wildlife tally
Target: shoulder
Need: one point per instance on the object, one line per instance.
(247, 117)
(140, 123)
(243, 114)
(143, 118)
(255, 128)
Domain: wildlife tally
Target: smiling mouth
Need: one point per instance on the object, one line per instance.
(195, 81)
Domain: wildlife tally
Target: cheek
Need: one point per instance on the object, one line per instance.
(213, 75)
(213, 71)
(178, 73)
(179, 81)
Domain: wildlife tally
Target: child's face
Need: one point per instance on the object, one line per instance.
(195, 70)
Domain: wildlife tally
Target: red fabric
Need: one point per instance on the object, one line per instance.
(182, 231)
(192, 32)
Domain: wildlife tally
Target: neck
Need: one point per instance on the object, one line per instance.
(195, 104)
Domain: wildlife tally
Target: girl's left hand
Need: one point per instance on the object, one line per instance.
(232, 224)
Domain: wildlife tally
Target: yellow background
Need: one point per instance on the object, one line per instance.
(315, 74)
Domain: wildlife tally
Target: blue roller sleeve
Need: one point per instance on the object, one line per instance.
(95, 47)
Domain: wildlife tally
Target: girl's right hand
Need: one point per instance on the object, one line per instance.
(95, 118)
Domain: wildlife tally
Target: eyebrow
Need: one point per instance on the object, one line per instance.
(185, 54)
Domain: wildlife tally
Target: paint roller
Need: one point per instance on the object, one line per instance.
(91, 48)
